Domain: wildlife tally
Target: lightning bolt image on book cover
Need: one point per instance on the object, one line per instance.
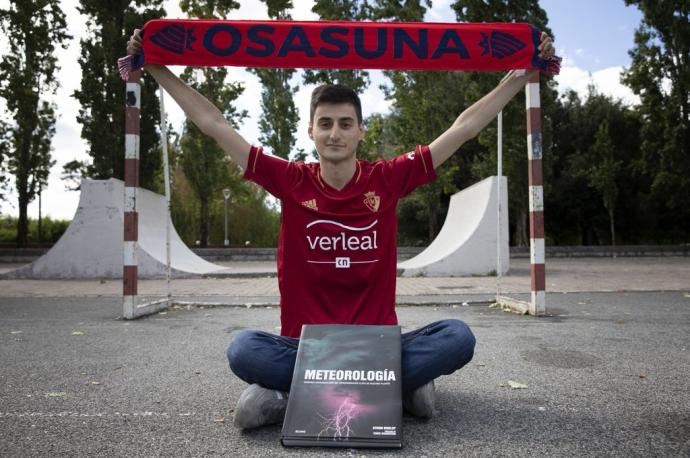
(346, 388)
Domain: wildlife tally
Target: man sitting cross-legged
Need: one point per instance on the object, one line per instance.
(337, 245)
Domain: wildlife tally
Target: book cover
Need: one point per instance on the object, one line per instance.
(346, 388)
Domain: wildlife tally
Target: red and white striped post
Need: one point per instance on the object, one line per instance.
(537, 305)
(131, 217)
(130, 270)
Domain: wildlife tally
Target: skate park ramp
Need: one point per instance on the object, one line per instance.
(466, 244)
(92, 245)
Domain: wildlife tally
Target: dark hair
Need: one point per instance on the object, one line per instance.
(335, 93)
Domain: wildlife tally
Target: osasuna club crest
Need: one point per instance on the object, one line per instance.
(311, 203)
(372, 201)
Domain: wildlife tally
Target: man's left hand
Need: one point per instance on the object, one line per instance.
(545, 46)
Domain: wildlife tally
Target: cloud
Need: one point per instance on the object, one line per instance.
(373, 99)
(440, 12)
(606, 81)
(302, 11)
(302, 102)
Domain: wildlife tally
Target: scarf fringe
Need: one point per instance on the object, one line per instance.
(553, 65)
(128, 64)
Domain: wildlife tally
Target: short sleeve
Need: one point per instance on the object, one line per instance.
(407, 172)
(276, 175)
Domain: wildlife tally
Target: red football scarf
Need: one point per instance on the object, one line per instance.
(331, 44)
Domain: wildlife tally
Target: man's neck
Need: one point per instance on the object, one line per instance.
(338, 174)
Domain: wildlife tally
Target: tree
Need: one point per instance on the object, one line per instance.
(427, 103)
(72, 173)
(514, 130)
(101, 95)
(397, 10)
(422, 111)
(570, 202)
(602, 174)
(27, 75)
(340, 10)
(378, 141)
(279, 117)
(594, 184)
(4, 149)
(249, 218)
(202, 160)
(660, 76)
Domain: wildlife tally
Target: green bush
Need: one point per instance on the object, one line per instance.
(51, 230)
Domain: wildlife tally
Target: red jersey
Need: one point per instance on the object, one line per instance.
(337, 254)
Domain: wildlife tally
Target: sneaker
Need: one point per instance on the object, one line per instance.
(259, 406)
(420, 402)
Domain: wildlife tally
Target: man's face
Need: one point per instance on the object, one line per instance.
(335, 131)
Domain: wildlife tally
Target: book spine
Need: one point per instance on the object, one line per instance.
(287, 422)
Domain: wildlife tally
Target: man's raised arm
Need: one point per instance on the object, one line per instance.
(476, 117)
(206, 116)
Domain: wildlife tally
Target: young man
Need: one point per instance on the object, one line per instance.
(337, 246)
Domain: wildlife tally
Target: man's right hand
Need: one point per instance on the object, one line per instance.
(134, 43)
(207, 117)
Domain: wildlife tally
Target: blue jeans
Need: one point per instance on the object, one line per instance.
(437, 349)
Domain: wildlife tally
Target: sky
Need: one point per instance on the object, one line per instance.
(593, 37)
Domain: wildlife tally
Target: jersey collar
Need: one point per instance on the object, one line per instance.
(353, 181)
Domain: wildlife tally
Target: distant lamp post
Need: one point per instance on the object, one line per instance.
(226, 196)
(40, 232)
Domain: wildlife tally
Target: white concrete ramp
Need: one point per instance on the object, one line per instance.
(92, 245)
(466, 244)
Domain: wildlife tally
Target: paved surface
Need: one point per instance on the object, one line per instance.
(255, 282)
(606, 372)
(606, 375)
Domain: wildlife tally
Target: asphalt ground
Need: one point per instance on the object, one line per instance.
(606, 374)
(255, 282)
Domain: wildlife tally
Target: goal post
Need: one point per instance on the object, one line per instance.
(130, 270)
(537, 303)
(132, 309)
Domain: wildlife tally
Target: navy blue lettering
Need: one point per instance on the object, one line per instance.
(211, 33)
(266, 42)
(327, 36)
(451, 37)
(381, 43)
(401, 37)
(296, 34)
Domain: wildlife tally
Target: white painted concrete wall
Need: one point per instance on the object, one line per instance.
(92, 246)
(466, 244)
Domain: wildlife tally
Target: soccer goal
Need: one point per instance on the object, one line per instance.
(305, 44)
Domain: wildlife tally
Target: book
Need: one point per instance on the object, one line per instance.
(346, 388)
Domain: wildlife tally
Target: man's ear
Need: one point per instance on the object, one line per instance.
(310, 132)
